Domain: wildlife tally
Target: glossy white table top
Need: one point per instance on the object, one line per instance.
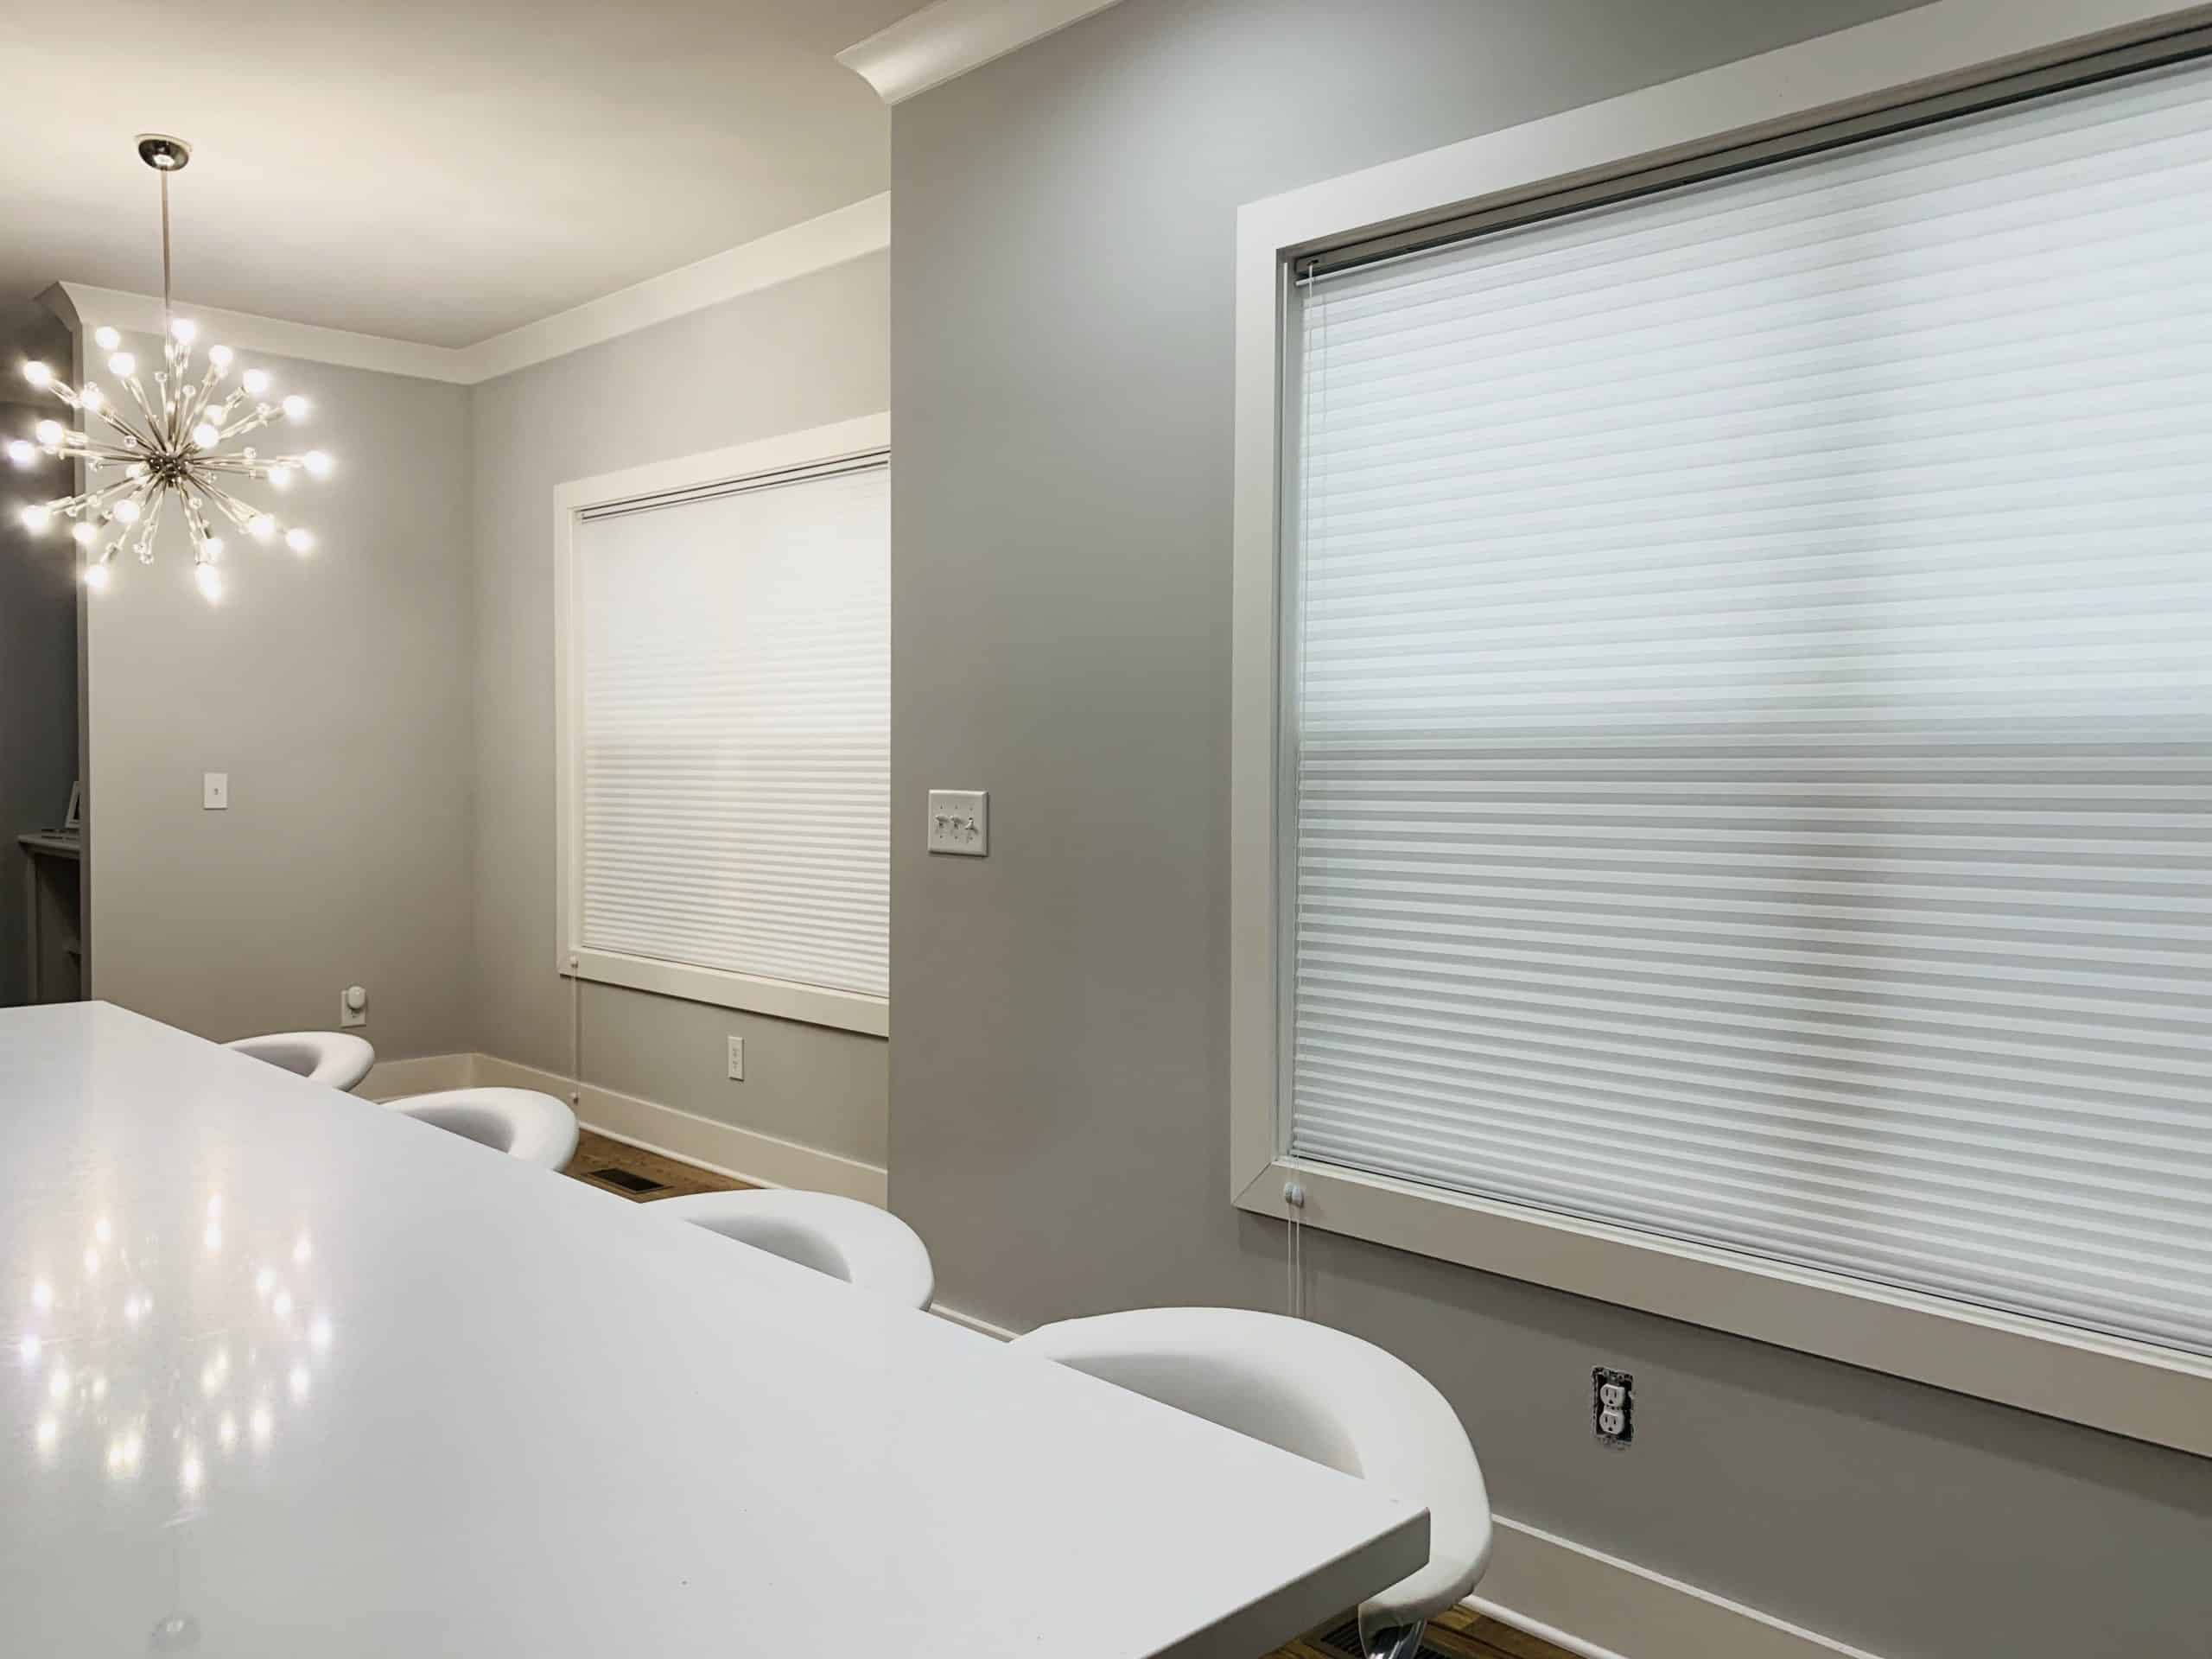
(283, 1373)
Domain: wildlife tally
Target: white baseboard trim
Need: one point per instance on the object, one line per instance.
(741, 1155)
(1603, 1607)
(389, 1080)
(1599, 1605)
(996, 1332)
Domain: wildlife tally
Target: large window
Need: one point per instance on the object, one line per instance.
(1745, 718)
(727, 648)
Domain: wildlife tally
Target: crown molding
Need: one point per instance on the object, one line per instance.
(953, 36)
(140, 314)
(845, 233)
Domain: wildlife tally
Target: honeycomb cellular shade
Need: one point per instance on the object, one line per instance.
(1751, 694)
(737, 724)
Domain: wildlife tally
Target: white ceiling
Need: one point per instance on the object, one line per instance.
(425, 169)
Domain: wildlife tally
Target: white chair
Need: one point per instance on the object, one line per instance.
(521, 1122)
(330, 1057)
(1325, 1395)
(842, 1237)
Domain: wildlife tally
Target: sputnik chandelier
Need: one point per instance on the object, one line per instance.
(178, 446)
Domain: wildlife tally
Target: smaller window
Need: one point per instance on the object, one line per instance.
(727, 743)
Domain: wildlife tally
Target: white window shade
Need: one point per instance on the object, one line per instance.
(1751, 710)
(736, 724)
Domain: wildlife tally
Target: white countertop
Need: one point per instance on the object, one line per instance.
(283, 1373)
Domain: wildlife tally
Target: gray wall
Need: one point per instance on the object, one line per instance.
(801, 354)
(1063, 222)
(334, 691)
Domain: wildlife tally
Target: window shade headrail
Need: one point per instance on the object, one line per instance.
(1833, 131)
(837, 468)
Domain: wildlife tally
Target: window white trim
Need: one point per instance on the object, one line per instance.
(2148, 1393)
(847, 1010)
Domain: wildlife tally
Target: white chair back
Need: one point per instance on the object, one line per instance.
(1323, 1395)
(842, 1237)
(335, 1058)
(521, 1122)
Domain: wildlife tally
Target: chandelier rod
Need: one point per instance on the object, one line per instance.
(164, 176)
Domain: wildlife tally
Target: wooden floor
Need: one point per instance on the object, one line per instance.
(604, 1163)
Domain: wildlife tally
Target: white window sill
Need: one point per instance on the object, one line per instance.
(845, 1010)
(2159, 1395)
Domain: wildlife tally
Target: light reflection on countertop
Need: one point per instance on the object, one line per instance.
(157, 1363)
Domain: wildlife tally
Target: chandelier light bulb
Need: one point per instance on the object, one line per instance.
(220, 356)
(95, 577)
(206, 436)
(21, 453)
(37, 374)
(212, 548)
(262, 527)
(317, 463)
(256, 381)
(85, 531)
(281, 477)
(91, 397)
(122, 366)
(34, 519)
(296, 408)
(299, 540)
(126, 512)
(107, 340)
(184, 331)
(210, 580)
(50, 433)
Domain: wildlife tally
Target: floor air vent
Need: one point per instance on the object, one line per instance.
(628, 1180)
(1345, 1639)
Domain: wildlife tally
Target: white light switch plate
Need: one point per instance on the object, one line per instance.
(960, 821)
(215, 790)
(737, 1059)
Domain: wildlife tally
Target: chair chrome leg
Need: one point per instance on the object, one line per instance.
(1391, 1641)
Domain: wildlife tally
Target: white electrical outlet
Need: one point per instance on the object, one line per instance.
(352, 1007)
(960, 821)
(215, 790)
(737, 1059)
(1613, 1405)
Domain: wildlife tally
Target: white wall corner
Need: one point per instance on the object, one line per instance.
(57, 300)
(953, 36)
(845, 233)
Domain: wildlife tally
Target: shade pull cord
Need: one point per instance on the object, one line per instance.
(576, 1037)
(1294, 1197)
